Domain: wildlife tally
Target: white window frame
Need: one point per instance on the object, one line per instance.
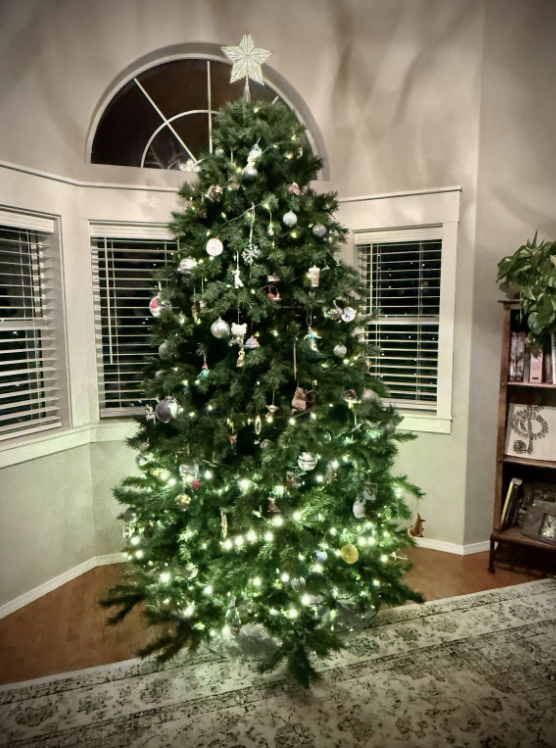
(405, 215)
(120, 231)
(51, 323)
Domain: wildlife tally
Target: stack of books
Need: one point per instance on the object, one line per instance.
(520, 497)
(534, 368)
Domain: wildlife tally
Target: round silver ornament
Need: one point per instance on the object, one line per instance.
(130, 515)
(321, 556)
(156, 306)
(289, 219)
(266, 443)
(214, 247)
(219, 152)
(250, 172)
(349, 314)
(254, 153)
(187, 264)
(160, 373)
(319, 230)
(164, 350)
(220, 328)
(166, 410)
(214, 192)
(298, 584)
(340, 350)
(307, 461)
(371, 395)
(390, 428)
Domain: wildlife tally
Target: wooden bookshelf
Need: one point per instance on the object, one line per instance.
(508, 466)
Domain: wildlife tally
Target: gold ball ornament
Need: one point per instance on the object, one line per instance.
(349, 553)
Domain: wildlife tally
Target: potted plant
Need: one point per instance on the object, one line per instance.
(530, 275)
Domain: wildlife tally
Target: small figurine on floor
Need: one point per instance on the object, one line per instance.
(416, 531)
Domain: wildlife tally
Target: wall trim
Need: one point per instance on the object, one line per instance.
(458, 550)
(78, 183)
(52, 584)
(404, 193)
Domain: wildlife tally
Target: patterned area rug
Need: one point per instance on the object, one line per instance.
(478, 670)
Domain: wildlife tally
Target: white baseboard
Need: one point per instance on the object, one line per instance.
(52, 584)
(459, 550)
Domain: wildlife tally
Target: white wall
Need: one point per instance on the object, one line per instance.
(408, 95)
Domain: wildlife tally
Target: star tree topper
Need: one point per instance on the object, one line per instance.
(247, 60)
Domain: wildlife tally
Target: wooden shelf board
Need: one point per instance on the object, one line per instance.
(544, 385)
(530, 463)
(514, 535)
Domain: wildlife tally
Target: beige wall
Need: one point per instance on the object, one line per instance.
(408, 94)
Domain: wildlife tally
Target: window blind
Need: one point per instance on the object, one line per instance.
(123, 286)
(401, 272)
(29, 377)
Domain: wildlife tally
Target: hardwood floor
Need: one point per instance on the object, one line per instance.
(65, 630)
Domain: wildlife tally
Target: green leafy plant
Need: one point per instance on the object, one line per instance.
(531, 272)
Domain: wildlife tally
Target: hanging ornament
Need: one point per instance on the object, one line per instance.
(359, 508)
(219, 152)
(272, 408)
(270, 231)
(293, 189)
(238, 283)
(258, 425)
(144, 446)
(196, 484)
(130, 515)
(220, 328)
(183, 501)
(238, 333)
(234, 185)
(166, 410)
(349, 314)
(273, 508)
(254, 153)
(191, 166)
(203, 374)
(314, 275)
(187, 471)
(241, 357)
(327, 437)
(273, 278)
(331, 473)
(291, 479)
(214, 247)
(157, 305)
(334, 313)
(273, 293)
(187, 264)
(251, 253)
(252, 342)
(224, 524)
(298, 584)
(159, 373)
(299, 401)
(307, 461)
(371, 395)
(350, 396)
(321, 556)
(232, 617)
(319, 230)
(390, 429)
(250, 171)
(164, 350)
(340, 350)
(266, 443)
(141, 460)
(369, 494)
(149, 414)
(349, 553)
(233, 443)
(214, 192)
(289, 219)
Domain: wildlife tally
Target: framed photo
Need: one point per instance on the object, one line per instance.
(531, 432)
(540, 522)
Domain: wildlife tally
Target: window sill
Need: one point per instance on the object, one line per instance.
(425, 424)
(47, 444)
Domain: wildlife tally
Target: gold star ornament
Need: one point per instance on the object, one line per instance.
(247, 61)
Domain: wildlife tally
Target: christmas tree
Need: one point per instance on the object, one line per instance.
(266, 500)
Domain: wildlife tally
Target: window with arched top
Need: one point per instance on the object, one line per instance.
(162, 117)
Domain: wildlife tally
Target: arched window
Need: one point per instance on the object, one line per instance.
(161, 116)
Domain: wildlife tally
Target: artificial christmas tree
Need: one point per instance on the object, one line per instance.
(266, 500)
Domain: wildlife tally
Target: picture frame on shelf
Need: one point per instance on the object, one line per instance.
(531, 432)
(540, 522)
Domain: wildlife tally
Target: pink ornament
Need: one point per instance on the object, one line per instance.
(273, 508)
(273, 293)
(293, 189)
(196, 484)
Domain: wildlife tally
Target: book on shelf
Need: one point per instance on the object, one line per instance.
(511, 503)
(547, 366)
(526, 366)
(517, 355)
(553, 356)
(536, 368)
